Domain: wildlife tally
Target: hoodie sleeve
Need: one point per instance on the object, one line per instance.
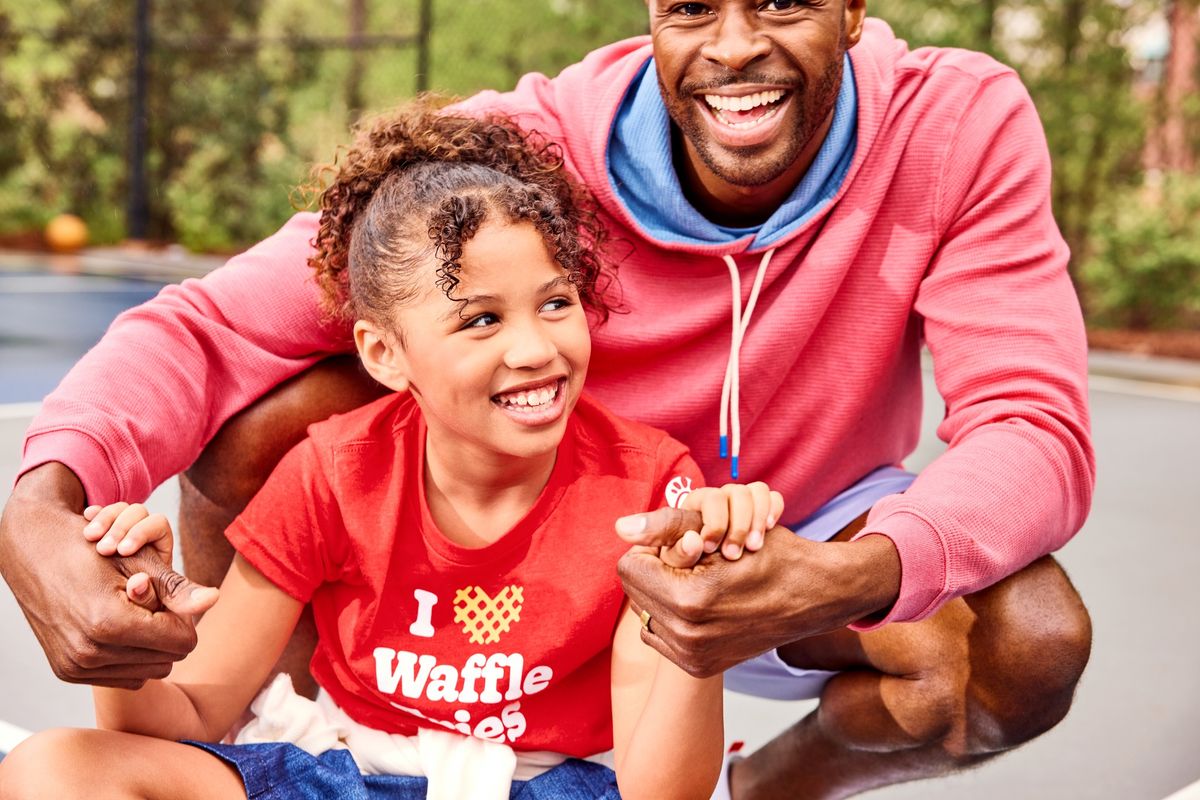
(140, 406)
(1003, 324)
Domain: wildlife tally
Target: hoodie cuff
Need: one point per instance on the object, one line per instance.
(79, 453)
(923, 571)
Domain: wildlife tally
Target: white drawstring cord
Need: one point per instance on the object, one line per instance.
(730, 389)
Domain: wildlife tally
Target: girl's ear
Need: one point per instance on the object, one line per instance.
(382, 354)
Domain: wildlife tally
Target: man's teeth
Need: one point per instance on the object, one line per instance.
(744, 103)
(533, 398)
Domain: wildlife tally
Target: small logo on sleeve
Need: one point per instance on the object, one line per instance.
(677, 491)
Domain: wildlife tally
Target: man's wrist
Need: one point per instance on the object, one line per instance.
(878, 567)
(865, 575)
(52, 483)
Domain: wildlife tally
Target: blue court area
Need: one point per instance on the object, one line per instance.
(47, 321)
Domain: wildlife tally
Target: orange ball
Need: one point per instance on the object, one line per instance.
(66, 233)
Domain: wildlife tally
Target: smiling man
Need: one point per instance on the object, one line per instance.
(800, 202)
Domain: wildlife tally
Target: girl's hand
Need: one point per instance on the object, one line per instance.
(121, 529)
(734, 518)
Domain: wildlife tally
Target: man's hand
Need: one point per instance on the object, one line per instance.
(122, 529)
(719, 613)
(75, 599)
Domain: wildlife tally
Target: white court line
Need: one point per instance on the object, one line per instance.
(19, 410)
(11, 736)
(1162, 391)
(1187, 793)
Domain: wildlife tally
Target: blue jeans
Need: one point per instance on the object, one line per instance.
(281, 771)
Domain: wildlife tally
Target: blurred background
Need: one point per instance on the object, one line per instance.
(191, 121)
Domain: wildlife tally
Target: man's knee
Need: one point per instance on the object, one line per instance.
(1029, 647)
(236, 463)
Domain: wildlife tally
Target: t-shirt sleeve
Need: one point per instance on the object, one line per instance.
(678, 474)
(291, 530)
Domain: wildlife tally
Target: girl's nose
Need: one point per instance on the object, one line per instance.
(529, 348)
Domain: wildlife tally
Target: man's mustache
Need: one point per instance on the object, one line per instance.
(791, 82)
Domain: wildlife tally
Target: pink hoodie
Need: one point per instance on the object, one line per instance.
(941, 234)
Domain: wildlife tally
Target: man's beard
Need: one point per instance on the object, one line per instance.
(750, 169)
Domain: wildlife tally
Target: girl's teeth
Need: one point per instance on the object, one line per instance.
(537, 397)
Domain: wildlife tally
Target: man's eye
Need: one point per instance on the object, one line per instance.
(781, 5)
(690, 9)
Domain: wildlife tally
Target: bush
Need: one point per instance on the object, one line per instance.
(1145, 269)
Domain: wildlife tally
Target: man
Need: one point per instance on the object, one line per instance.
(800, 203)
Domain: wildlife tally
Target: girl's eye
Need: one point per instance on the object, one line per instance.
(556, 304)
(481, 321)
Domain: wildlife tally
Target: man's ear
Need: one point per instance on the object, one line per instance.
(382, 354)
(856, 12)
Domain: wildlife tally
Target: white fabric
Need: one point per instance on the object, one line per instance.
(456, 766)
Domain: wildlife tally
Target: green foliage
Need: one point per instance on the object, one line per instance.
(1135, 260)
(1145, 269)
(242, 97)
(245, 95)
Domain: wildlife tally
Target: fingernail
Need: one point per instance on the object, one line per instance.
(710, 546)
(106, 542)
(92, 527)
(141, 589)
(755, 540)
(732, 552)
(770, 523)
(631, 525)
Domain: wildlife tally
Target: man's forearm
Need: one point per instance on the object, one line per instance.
(49, 488)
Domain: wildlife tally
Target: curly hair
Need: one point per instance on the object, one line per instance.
(416, 185)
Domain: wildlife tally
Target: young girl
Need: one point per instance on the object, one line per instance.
(455, 539)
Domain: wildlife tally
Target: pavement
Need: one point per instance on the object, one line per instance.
(175, 263)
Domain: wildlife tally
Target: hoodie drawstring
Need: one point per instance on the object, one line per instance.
(730, 389)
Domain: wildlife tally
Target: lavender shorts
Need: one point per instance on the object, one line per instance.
(767, 675)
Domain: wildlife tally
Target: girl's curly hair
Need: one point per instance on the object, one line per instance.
(417, 185)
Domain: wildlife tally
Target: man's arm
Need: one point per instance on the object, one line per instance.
(1004, 327)
(1005, 330)
(206, 348)
(75, 599)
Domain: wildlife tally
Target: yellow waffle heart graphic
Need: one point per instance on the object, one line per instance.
(485, 617)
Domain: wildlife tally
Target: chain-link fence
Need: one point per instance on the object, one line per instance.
(192, 119)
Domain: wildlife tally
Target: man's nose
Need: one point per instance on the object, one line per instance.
(738, 40)
(529, 347)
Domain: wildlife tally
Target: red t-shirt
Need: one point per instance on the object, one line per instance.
(509, 642)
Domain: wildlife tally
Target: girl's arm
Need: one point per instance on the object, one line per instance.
(668, 727)
(240, 639)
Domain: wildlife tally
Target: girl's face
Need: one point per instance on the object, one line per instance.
(500, 374)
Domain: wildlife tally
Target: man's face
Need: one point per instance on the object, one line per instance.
(751, 83)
